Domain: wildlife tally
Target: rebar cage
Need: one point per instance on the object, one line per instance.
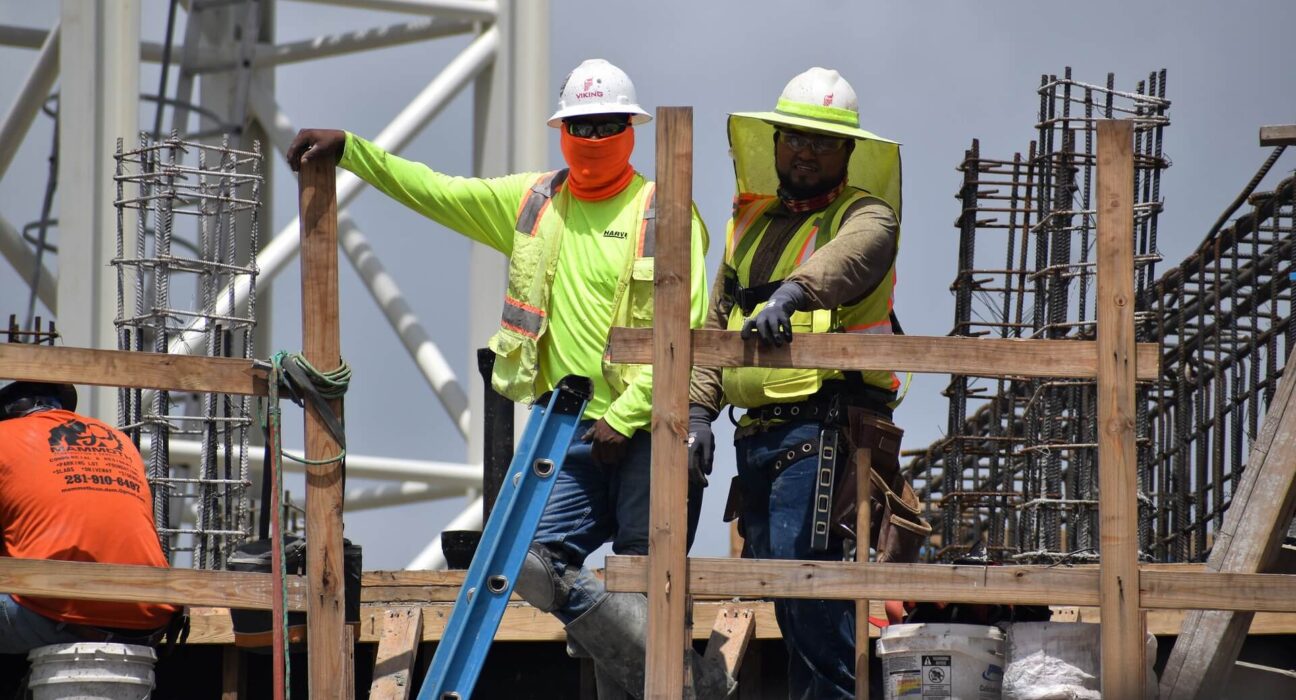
(1017, 470)
(192, 242)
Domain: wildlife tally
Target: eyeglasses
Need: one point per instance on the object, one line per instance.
(819, 144)
(595, 129)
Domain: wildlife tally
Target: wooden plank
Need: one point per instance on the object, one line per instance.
(397, 650)
(327, 640)
(1025, 585)
(143, 584)
(523, 623)
(863, 524)
(137, 370)
(773, 578)
(668, 631)
(1122, 642)
(982, 357)
(1220, 591)
(732, 632)
(1279, 135)
(1249, 541)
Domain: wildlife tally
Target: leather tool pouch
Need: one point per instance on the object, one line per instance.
(897, 528)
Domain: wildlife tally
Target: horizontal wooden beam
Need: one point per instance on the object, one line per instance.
(1022, 585)
(1209, 590)
(523, 623)
(980, 357)
(768, 578)
(136, 370)
(144, 584)
(1279, 135)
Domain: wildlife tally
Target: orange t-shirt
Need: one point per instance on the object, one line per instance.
(73, 488)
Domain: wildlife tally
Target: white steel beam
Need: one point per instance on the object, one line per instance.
(386, 293)
(441, 474)
(432, 557)
(276, 255)
(32, 94)
(99, 88)
(509, 136)
(482, 10)
(34, 37)
(15, 250)
(341, 44)
(384, 495)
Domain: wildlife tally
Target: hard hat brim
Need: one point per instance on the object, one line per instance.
(637, 115)
(812, 125)
(66, 393)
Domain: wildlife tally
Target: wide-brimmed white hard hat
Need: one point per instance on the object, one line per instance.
(598, 87)
(821, 101)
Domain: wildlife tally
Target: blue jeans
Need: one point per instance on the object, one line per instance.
(591, 504)
(22, 630)
(819, 634)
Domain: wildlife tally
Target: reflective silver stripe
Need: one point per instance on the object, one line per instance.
(649, 244)
(521, 319)
(537, 198)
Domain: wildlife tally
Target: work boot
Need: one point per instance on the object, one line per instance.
(612, 632)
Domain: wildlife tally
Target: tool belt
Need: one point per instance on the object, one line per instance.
(897, 529)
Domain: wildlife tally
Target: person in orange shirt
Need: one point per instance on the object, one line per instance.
(72, 488)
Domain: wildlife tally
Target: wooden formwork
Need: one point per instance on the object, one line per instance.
(1118, 586)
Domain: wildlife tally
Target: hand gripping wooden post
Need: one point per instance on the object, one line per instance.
(328, 641)
(1118, 598)
(668, 520)
(863, 535)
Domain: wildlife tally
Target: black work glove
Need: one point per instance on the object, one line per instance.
(774, 322)
(311, 145)
(608, 446)
(701, 444)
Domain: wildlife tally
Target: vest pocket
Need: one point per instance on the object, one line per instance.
(641, 293)
(514, 373)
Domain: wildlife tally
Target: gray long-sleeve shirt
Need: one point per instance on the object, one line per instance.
(843, 271)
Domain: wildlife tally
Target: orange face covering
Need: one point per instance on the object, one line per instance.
(600, 168)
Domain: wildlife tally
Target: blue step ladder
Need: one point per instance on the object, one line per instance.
(504, 542)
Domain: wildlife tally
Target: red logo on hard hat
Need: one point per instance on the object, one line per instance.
(828, 99)
(588, 83)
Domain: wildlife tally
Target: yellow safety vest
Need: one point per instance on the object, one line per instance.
(749, 387)
(536, 240)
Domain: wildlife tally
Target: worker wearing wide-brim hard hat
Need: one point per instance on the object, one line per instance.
(811, 248)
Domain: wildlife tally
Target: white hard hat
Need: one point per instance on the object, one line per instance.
(598, 87)
(821, 93)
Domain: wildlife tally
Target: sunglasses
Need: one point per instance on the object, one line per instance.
(595, 130)
(819, 144)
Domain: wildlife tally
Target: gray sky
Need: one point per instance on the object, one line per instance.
(932, 75)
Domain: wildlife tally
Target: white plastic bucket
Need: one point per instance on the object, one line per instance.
(959, 662)
(91, 671)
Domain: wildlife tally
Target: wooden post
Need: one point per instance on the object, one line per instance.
(1250, 541)
(863, 536)
(668, 520)
(1118, 601)
(328, 643)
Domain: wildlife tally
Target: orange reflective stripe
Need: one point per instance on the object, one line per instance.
(742, 223)
(808, 248)
(882, 327)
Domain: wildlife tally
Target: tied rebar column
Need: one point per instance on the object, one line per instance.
(190, 245)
